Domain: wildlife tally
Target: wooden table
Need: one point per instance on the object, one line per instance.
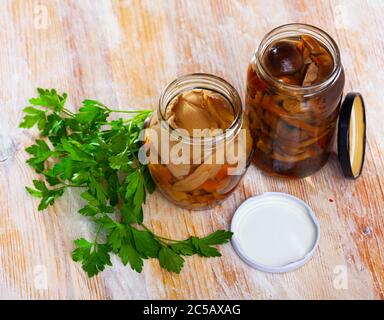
(124, 53)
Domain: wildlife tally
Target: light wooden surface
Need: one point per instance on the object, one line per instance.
(124, 53)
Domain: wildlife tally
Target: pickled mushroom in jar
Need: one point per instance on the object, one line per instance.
(204, 110)
(200, 109)
(311, 74)
(203, 114)
(292, 131)
(301, 61)
(283, 58)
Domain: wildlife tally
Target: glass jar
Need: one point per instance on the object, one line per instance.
(292, 120)
(198, 171)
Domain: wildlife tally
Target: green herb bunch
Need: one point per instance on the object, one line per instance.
(99, 157)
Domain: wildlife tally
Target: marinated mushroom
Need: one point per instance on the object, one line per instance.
(199, 109)
(205, 179)
(311, 74)
(291, 131)
(197, 178)
(283, 58)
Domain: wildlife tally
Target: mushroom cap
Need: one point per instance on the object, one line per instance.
(283, 58)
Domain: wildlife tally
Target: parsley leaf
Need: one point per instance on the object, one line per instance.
(50, 99)
(128, 253)
(40, 153)
(92, 113)
(117, 236)
(34, 116)
(145, 243)
(170, 260)
(202, 246)
(184, 248)
(93, 257)
(218, 237)
(41, 191)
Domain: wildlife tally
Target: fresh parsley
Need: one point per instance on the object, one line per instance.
(100, 157)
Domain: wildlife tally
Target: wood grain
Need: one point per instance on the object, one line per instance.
(124, 53)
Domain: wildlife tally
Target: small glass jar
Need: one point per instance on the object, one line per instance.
(208, 178)
(293, 124)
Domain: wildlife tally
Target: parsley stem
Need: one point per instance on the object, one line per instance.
(166, 239)
(68, 112)
(128, 111)
(96, 237)
(74, 185)
(71, 185)
(156, 236)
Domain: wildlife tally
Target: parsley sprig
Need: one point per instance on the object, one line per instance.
(100, 157)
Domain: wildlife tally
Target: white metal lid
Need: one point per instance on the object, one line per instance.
(275, 232)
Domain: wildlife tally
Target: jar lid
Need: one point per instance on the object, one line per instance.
(275, 232)
(352, 135)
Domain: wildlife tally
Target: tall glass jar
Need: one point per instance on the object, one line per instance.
(293, 122)
(209, 174)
